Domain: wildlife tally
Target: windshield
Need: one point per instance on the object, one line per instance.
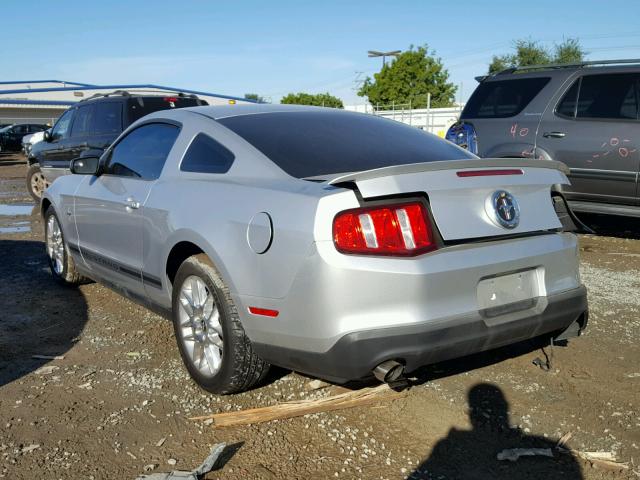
(321, 142)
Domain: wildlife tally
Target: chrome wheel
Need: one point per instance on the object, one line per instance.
(55, 245)
(200, 328)
(38, 184)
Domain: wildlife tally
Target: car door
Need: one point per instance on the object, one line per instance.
(15, 136)
(595, 130)
(109, 208)
(107, 125)
(56, 152)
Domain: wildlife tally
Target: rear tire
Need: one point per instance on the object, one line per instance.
(61, 264)
(36, 183)
(213, 345)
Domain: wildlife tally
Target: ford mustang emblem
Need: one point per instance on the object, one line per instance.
(505, 208)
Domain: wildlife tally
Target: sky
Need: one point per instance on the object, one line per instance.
(276, 47)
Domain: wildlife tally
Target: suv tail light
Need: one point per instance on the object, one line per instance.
(464, 135)
(399, 230)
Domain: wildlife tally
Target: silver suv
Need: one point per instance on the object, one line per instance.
(585, 115)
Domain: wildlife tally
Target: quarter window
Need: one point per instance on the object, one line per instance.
(143, 152)
(205, 155)
(503, 98)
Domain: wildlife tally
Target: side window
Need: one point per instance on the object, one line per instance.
(567, 106)
(82, 125)
(205, 155)
(61, 129)
(611, 96)
(20, 129)
(143, 152)
(108, 118)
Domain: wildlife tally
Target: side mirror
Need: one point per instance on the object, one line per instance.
(47, 136)
(85, 165)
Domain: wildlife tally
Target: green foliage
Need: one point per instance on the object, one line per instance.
(255, 97)
(408, 79)
(318, 100)
(530, 52)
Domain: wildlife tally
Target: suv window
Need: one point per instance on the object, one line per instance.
(82, 125)
(608, 96)
(312, 143)
(20, 129)
(139, 107)
(61, 129)
(143, 152)
(503, 98)
(205, 155)
(108, 117)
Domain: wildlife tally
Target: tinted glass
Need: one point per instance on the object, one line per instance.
(37, 128)
(205, 155)
(108, 118)
(82, 125)
(143, 152)
(20, 129)
(567, 106)
(141, 106)
(608, 96)
(61, 128)
(502, 98)
(308, 144)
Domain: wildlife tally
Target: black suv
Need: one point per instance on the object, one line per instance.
(11, 136)
(586, 115)
(88, 128)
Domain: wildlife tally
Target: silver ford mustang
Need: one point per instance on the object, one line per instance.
(333, 243)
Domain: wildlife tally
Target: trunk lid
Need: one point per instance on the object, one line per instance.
(464, 207)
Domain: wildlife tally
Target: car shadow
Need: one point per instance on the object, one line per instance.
(474, 453)
(38, 316)
(612, 225)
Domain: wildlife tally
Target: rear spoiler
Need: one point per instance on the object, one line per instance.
(334, 179)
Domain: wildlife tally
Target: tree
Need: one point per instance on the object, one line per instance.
(318, 100)
(255, 97)
(530, 52)
(408, 79)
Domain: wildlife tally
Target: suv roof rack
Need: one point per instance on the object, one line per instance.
(125, 93)
(553, 66)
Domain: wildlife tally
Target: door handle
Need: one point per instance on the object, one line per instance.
(554, 134)
(131, 204)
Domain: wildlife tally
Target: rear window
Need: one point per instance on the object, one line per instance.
(503, 98)
(141, 106)
(314, 143)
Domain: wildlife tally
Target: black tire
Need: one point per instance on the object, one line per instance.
(67, 275)
(36, 183)
(240, 368)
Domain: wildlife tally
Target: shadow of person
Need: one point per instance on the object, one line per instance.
(473, 454)
(38, 316)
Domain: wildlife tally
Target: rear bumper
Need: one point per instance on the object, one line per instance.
(356, 354)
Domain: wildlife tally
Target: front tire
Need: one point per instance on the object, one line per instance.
(61, 264)
(213, 345)
(36, 183)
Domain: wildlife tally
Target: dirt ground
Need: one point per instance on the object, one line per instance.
(119, 400)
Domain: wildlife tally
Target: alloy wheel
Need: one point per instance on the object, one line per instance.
(55, 245)
(200, 327)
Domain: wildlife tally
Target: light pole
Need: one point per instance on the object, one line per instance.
(384, 55)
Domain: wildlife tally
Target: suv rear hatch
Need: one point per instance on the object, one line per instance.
(138, 107)
(460, 193)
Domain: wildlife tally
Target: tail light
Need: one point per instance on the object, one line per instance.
(464, 135)
(397, 230)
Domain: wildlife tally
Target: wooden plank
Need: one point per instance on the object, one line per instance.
(365, 396)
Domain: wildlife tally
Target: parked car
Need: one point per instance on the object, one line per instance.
(30, 140)
(334, 243)
(11, 136)
(88, 128)
(585, 115)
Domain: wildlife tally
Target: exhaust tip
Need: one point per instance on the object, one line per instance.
(388, 371)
